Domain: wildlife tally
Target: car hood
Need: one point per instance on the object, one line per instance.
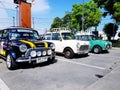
(31, 43)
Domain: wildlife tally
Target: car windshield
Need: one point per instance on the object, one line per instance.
(68, 36)
(92, 37)
(23, 34)
(86, 37)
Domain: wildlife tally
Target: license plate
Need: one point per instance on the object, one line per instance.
(41, 59)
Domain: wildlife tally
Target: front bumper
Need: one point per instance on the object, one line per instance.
(36, 59)
(83, 52)
(84, 49)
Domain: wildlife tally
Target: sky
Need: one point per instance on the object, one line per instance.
(43, 13)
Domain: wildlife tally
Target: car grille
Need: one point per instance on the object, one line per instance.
(84, 47)
(40, 45)
(27, 54)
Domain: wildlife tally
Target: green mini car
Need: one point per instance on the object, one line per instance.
(96, 46)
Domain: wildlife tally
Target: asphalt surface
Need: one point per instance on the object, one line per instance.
(93, 72)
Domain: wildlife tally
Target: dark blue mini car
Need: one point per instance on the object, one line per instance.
(18, 45)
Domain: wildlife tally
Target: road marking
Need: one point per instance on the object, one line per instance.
(87, 65)
(3, 86)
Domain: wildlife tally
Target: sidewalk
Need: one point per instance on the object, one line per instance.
(111, 81)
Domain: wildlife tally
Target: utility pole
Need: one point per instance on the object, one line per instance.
(33, 22)
(24, 12)
(13, 21)
(17, 14)
(83, 16)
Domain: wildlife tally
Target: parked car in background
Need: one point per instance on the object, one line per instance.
(96, 46)
(66, 43)
(117, 36)
(19, 45)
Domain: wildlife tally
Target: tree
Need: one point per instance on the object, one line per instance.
(57, 23)
(116, 14)
(67, 20)
(92, 15)
(110, 29)
(111, 7)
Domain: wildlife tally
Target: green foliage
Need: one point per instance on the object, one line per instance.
(57, 23)
(111, 7)
(116, 14)
(92, 15)
(110, 29)
(67, 20)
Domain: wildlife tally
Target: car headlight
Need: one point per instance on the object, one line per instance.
(49, 52)
(52, 46)
(78, 45)
(105, 43)
(44, 53)
(39, 53)
(23, 48)
(33, 53)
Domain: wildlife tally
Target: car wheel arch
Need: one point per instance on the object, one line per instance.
(11, 52)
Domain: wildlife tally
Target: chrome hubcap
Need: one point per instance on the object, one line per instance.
(96, 50)
(67, 53)
(8, 61)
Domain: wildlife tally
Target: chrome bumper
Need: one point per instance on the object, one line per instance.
(23, 59)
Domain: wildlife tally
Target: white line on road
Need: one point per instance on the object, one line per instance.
(87, 65)
(3, 86)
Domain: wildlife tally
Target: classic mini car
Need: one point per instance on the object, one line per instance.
(96, 46)
(18, 45)
(66, 43)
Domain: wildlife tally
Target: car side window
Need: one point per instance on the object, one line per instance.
(47, 37)
(56, 36)
(0, 34)
(5, 33)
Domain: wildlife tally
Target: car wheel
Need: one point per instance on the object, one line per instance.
(51, 60)
(119, 39)
(68, 53)
(97, 49)
(10, 62)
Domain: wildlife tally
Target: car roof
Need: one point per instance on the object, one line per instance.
(18, 28)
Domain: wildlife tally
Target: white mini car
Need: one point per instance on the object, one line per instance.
(66, 43)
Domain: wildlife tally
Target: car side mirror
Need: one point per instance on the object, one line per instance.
(60, 39)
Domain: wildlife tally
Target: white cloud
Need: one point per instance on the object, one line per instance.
(8, 4)
(5, 5)
(40, 6)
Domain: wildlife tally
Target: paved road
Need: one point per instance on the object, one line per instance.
(64, 74)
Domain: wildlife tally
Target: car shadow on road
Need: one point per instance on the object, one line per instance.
(81, 56)
(34, 65)
(105, 52)
(75, 56)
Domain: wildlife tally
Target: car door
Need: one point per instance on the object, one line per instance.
(2, 51)
(56, 39)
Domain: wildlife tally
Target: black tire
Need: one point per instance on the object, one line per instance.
(68, 53)
(119, 39)
(97, 49)
(51, 60)
(11, 64)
